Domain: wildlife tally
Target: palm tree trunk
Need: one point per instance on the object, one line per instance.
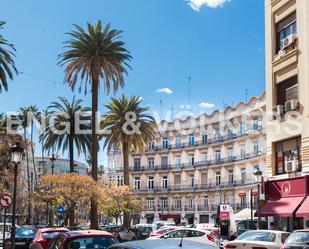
(94, 151)
(33, 157)
(71, 152)
(28, 181)
(126, 180)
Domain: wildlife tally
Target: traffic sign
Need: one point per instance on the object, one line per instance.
(6, 200)
(60, 210)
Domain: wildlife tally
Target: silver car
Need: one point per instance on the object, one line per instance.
(160, 244)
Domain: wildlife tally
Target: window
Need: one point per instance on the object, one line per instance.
(150, 203)
(191, 202)
(230, 154)
(177, 181)
(151, 146)
(285, 28)
(218, 156)
(205, 157)
(230, 133)
(218, 178)
(256, 149)
(204, 179)
(88, 242)
(137, 163)
(164, 182)
(243, 200)
(191, 140)
(177, 161)
(288, 156)
(287, 90)
(165, 143)
(256, 125)
(151, 182)
(137, 183)
(191, 160)
(164, 162)
(242, 153)
(217, 200)
(119, 180)
(243, 175)
(217, 135)
(242, 128)
(164, 202)
(151, 163)
(192, 181)
(204, 138)
(178, 141)
(177, 203)
(231, 176)
(205, 202)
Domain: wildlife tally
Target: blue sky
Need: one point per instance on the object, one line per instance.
(218, 43)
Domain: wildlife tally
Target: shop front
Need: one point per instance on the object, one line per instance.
(175, 217)
(286, 203)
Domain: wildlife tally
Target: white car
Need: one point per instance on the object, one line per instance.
(258, 238)
(191, 234)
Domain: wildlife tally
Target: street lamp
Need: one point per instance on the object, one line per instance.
(258, 173)
(52, 159)
(16, 157)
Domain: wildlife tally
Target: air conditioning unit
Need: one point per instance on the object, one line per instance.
(278, 110)
(289, 41)
(291, 166)
(291, 105)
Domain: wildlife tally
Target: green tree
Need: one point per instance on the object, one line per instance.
(129, 127)
(93, 56)
(59, 136)
(7, 64)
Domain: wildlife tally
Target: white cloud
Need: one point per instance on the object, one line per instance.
(198, 4)
(206, 105)
(164, 90)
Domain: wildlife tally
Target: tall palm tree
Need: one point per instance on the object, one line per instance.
(95, 56)
(7, 64)
(130, 127)
(23, 115)
(65, 112)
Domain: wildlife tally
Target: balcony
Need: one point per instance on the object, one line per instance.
(210, 141)
(210, 163)
(198, 187)
(190, 208)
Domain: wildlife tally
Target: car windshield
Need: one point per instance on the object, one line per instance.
(92, 243)
(257, 236)
(298, 238)
(22, 231)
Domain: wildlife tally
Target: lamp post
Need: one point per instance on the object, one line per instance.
(52, 159)
(258, 173)
(16, 156)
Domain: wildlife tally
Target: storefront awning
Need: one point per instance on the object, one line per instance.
(169, 216)
(284, 207)
(303, 210)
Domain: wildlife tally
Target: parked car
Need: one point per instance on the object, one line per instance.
(163, 244)
(121, 233)
(23, 238)
(83, 239)
(258, 238)
(162, 230)
(192, 234)
(245, 225)
(298, 239)
(45, 235)
(161, 223)
(143, 231)
(8, 227)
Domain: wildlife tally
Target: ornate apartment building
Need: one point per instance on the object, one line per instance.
(287, 98)
(198, 163)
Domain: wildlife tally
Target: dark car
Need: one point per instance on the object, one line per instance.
(23, 238)
(298, 239)
(83, 239)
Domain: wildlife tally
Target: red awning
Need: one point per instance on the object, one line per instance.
(284, 207)
(169, 216)
(303, 210)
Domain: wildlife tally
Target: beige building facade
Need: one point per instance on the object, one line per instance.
(287, 106)
(199, 163)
